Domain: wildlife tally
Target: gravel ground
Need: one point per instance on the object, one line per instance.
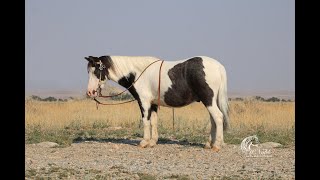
(122, 159)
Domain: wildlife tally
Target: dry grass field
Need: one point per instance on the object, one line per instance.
(65, 122)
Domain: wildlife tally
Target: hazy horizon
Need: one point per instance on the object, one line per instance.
(254, 40)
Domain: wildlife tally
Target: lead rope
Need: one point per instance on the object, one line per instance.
(98, 102)
(159, 86)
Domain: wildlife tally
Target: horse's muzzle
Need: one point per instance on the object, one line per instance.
(92, 93)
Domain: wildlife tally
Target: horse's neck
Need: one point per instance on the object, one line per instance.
(124, 65)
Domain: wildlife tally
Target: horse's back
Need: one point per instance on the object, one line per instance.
(211, 68)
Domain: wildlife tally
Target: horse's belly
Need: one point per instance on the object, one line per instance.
(179, 97)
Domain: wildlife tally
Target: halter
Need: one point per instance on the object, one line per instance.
(101, 68)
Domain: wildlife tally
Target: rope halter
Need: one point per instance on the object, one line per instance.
(101, 68)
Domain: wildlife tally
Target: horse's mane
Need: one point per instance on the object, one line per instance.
(123, 65)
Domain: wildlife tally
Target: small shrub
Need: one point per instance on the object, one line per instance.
(50, 99)
(238, 99)
(259, 98)
(273, 99)
(37, 98)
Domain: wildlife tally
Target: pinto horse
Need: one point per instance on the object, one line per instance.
(200, 79)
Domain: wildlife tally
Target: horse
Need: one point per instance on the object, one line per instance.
(196, 79)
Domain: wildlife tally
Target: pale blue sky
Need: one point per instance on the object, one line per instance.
(254, 40)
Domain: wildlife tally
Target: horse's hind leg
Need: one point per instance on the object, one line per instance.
(216, 133)
(212, 136)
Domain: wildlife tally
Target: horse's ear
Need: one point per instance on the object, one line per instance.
(91, 59)
(88, 59)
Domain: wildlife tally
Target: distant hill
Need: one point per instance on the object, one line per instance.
(112, 89)
(267, 94)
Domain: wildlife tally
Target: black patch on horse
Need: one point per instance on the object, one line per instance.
(127, 82)
(106, 61)
(154, 108)
(188, 84)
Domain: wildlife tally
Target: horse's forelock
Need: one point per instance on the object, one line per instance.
(91, 61)
(90, 65)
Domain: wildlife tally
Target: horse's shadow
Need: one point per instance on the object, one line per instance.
(135, 142)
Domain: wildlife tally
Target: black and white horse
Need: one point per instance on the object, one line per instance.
(201, 79)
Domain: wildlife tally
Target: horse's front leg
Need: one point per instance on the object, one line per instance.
(146, 125)
(154, 125)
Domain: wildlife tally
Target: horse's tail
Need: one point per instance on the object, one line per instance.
(222, 99)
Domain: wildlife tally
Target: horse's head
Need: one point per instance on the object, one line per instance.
(98, 70)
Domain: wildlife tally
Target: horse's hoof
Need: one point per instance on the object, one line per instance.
(152, 143)
(143, 144)
(215, 148)
(207, 145)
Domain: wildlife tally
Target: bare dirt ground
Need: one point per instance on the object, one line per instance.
(122, 159)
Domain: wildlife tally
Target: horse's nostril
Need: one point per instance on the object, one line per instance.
(94, 91)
